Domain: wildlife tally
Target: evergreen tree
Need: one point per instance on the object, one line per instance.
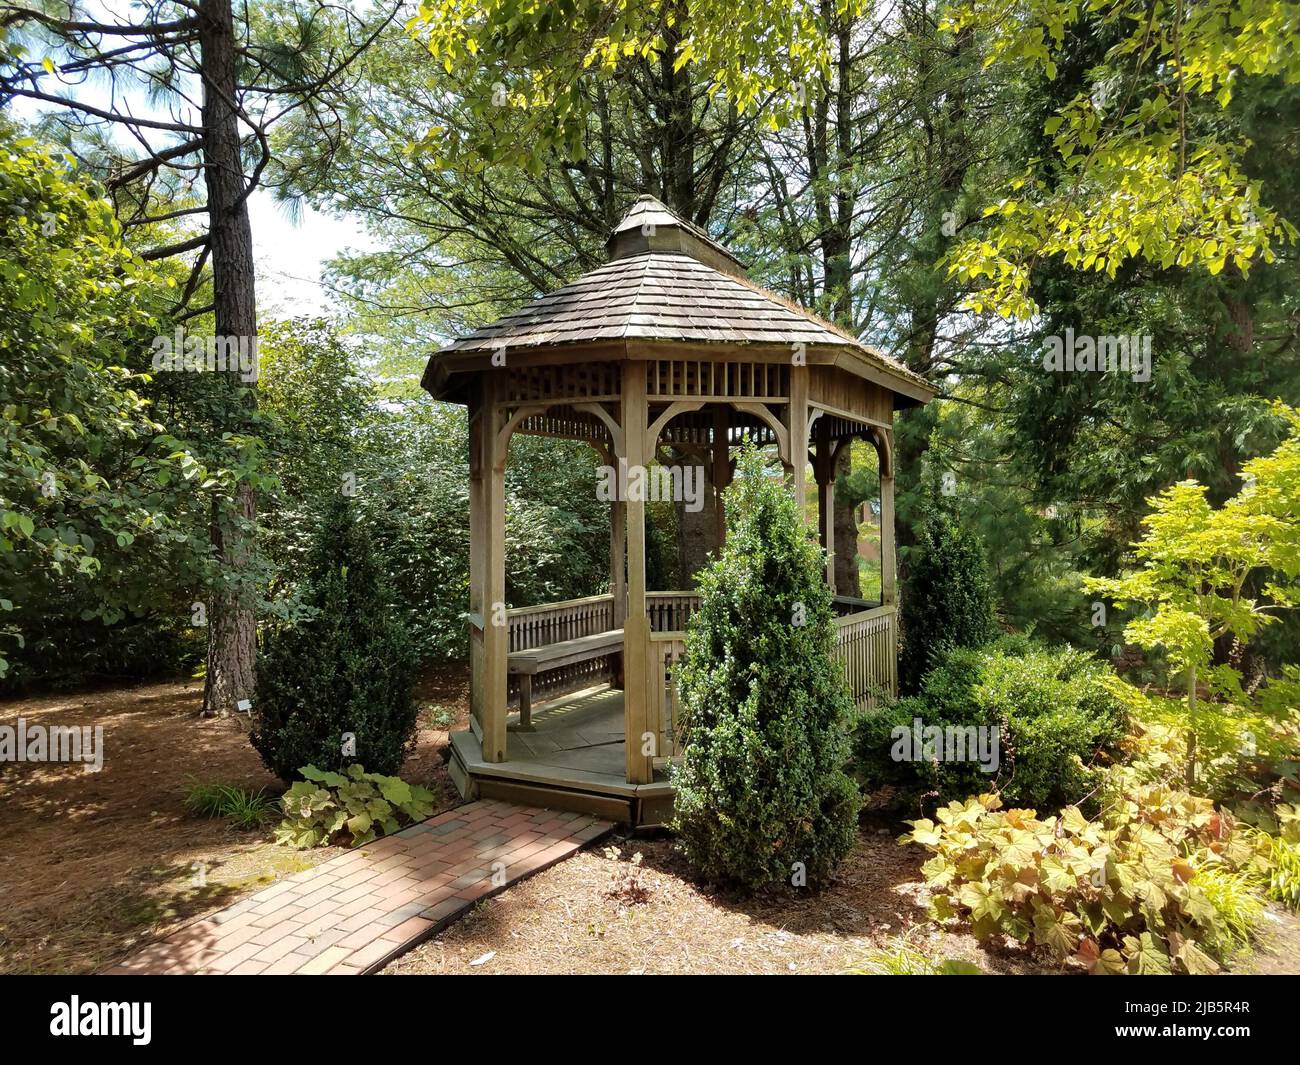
(947, 596)
(347, 670)
(761, 791)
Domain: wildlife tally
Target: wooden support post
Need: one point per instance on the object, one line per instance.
(888, 559)
(477, 551)
(617, 566)
(491, 532)
(721, 472)
(636, 627)
(525, 702)
(824, 472)
(797, 425)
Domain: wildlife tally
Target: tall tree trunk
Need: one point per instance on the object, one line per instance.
(679, 129)
(947, 159)
(232, 630)
(847, 576)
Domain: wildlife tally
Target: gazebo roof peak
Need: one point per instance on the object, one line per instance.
(652, 226)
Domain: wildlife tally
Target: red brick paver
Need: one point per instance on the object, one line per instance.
(356, 912)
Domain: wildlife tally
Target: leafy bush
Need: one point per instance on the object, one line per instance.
(947, 598)
(761, 785)
(1153, 886)
(1196, 568)
(324, 806)
(246, 809)
(1054, 711)
(348, 669)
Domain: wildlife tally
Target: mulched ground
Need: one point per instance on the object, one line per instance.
(574, 919)
(581, 917)
(98, 864)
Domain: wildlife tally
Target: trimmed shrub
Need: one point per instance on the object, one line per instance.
(947, 598)
(761, 787)
(1055, 713)
(348, 669)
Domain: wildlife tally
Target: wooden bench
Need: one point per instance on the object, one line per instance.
(526, 664)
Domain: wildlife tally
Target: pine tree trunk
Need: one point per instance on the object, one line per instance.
(846, 531)
(232, 631)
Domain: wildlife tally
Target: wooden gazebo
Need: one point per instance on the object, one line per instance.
(666, 345)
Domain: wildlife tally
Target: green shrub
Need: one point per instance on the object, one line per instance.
(244, 808)
(761, 787)
(322, 807)
(1153, 886)
(348, 670)
(1054, 711)
(947, 598)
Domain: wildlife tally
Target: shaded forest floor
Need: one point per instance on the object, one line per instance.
(98, 864)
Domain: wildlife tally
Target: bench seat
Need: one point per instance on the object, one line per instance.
(525, 664)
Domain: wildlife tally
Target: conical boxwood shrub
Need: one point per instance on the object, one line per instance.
(761, 792)
(947, 598)
(348, 668)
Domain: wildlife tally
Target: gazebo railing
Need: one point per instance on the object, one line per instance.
(537, 626)
(866, 638)
(866, 646)
(666, 652)
(670, 611)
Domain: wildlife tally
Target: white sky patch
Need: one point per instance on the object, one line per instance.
(290, 255)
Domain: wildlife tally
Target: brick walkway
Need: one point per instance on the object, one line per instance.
(356, 912)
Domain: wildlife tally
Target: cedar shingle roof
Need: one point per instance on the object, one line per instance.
(666, 293)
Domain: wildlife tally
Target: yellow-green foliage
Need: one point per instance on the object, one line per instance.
(1134, 891)
(1277, 861)
(1196, 562)
(1231, 738)
(906, 960)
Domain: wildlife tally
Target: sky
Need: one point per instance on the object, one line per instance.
(290, 255)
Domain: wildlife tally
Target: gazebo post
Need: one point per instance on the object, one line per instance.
(636, 626)
(824, 472)
(721, 472)
(888, 560)
(488, 569)
(797, 425)
(618, 574)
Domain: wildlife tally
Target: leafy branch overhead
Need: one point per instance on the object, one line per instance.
(521, 67)
(1135, 167)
